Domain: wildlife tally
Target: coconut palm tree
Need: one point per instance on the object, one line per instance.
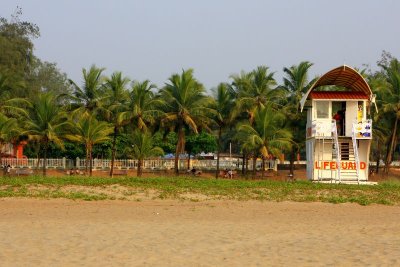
(45, 122)
(255, 90)
(224, 101)
(116, 104)
(266, 135)
(89, 131)
(296, 83)
(143, 106)
(391, 102)
(142, 147)
(186, 106)
(90, 96)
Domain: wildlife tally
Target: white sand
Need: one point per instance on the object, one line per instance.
(213, 233)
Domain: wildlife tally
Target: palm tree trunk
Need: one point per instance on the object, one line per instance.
(243, 163)
(113, 151)
(179, 147)
(87, 159)
(378, 158)
(90, 161)
(46, 145)
(246, 164)
(37, 163)
(263, 167)
(254, 165)
(292, 155)
(139, 168)
(391, 147)
(218, 151)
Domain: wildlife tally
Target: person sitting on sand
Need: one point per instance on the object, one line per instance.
(230, 174)
(8, 169)
(193, 171)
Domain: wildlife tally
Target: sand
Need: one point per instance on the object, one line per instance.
(209, 233)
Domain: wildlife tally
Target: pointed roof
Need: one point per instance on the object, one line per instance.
(344, 76)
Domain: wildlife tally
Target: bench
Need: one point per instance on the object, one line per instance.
(19, 172)
(120, 172)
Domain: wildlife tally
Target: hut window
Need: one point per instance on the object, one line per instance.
(322, 109)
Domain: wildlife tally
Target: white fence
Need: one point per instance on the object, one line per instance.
(151, 164)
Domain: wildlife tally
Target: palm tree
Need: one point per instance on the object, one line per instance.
(186, 106)
(117, 99)
(391, 105)
(224, 101)
(89, 131)
(267, 134)
(255, 90)
(296, 83)
(381, 121)
(45, 122)
(142, 147)
(10, 105)
(90, 96)
(143, 106)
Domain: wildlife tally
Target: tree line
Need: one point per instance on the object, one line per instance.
(127, 118)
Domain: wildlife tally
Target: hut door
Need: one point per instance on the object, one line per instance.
(351, 115)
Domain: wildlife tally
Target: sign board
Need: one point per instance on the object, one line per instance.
(344, 165)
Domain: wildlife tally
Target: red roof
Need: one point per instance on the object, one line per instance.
(337, 95)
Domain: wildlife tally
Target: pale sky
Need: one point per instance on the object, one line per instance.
(153, 39)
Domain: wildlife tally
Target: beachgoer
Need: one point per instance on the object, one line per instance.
(226, 173)
(193, 171)
(338, 118)
(230, 174)
(8, 169)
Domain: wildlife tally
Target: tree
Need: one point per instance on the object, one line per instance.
(45, 122)
(267, 134)
(224, 101)
(10, 105)
(255, 90)
(9, 130)
(117, 99)
(90, 96)
(296, 84)
(186, 106)
(89, 131)
(16, 45)
(391, 102)
(197, 143)
(143, 106)
(142, 147)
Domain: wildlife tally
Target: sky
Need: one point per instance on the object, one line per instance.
(217, 38)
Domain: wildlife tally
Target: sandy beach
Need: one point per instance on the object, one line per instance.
(210, 233)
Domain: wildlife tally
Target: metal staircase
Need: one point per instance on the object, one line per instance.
(345, 154)
(336, 151)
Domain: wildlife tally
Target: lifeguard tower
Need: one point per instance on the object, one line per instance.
(338, 136)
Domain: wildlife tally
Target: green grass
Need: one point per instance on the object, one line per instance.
(387, 193)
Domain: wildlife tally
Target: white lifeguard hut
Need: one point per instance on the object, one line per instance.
(338, 136)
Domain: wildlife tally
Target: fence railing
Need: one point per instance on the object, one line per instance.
(150, 164)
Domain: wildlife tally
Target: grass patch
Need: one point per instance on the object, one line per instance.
(387, 193)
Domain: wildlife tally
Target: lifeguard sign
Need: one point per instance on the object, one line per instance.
(338, 131)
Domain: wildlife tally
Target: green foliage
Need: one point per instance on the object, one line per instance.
(166, 141)
(202, 142)
(267, 134)
(185, 106)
